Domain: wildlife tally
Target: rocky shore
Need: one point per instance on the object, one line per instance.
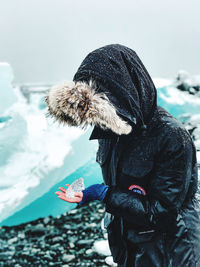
(75, 238)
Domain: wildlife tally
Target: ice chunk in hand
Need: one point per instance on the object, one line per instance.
(76, 186)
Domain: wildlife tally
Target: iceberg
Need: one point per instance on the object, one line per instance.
(185, 82)
(35, 152)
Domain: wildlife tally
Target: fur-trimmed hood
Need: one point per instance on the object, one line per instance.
(111, 90)
(78, 104)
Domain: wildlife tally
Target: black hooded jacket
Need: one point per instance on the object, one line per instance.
(151, 172)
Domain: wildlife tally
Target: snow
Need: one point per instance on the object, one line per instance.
(109, 261)
(190, 80)
(175, 96)
(102, 247)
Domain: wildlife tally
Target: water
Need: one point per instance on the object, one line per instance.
(37, 155)
(49, 203)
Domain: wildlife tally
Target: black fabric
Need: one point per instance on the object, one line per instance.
(119, 72)
(161, 227)
(164, 225)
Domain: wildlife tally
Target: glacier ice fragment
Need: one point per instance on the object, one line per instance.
(76, 186)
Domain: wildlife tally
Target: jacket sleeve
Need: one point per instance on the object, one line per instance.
(168, 186)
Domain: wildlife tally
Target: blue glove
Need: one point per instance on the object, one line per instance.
(94, 192)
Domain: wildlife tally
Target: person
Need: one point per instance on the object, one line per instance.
(148, 160)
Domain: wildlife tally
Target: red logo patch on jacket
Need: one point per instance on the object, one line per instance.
(137, 189)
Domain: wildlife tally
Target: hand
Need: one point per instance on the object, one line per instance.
(78, 196)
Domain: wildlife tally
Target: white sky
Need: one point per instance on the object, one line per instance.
(46, 40)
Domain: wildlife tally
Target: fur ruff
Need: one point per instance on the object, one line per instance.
(78, 104)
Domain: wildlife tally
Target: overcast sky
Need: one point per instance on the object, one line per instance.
(46, 40)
